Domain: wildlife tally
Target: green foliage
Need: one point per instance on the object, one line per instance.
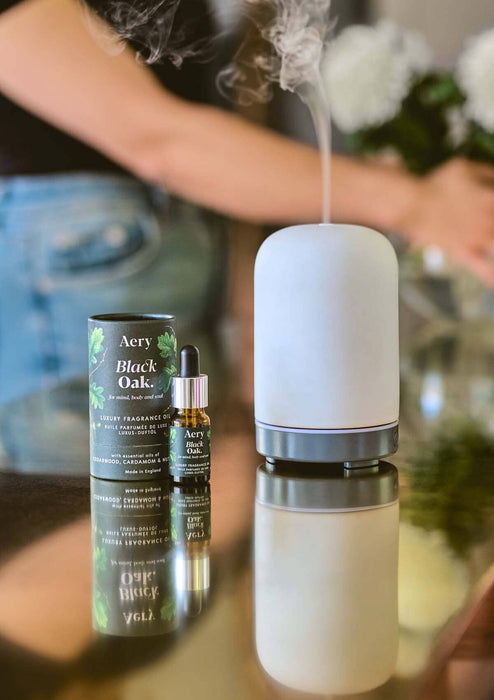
(173, 434)
(100, 560)
(96, 338)
(168, 611)
(480, 144)
(174, 534)
(452, 486)
(96, 395)
(100, 610)
(173, 456)
(420, 132)
(439, 90)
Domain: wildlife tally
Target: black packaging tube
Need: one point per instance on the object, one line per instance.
(132, 359)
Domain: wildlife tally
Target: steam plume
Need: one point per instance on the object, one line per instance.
(295, 35)
(156, 28)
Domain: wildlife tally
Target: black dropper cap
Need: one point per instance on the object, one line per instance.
(190, 387)
(190, 364)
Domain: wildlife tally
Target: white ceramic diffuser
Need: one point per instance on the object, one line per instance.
(326, 345)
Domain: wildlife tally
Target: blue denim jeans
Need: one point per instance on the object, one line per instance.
(76, 245)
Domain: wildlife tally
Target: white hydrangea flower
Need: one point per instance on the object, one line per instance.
(367, 72)
(408, 44)
(475, 73)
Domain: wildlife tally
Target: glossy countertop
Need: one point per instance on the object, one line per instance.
(56, 583)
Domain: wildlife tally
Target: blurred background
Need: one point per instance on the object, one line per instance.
(89, 229)
(157, 235)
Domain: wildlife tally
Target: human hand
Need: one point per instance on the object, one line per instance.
(453, 208)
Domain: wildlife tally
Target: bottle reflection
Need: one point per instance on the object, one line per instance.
(191, 533)
(326, 566)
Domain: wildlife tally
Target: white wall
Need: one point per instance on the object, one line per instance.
(445, 23)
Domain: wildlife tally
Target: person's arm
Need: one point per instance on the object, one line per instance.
(52, 65)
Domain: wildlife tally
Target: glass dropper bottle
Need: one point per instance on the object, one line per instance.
(190, 427)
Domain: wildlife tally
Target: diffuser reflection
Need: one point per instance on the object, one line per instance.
(150, 556)
(326, 555)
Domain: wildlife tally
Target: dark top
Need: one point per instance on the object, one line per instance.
(30, 146)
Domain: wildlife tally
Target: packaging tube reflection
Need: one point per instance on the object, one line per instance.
(326, 567)
(133, 572)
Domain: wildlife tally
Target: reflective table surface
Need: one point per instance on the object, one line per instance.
(123, 590)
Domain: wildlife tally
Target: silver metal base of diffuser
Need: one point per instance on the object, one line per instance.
(304, 445)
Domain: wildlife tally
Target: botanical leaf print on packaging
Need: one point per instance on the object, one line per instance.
(96, 395)
(96, 338)
(167, 345)
(172, 438)
(100, 560)
(100, 610)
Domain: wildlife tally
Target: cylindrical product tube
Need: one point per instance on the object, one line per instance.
(133, 562)
(326, 570)
(132, 359)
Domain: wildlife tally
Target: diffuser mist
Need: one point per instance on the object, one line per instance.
(326, 345)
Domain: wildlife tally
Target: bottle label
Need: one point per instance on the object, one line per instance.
(190, 450)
